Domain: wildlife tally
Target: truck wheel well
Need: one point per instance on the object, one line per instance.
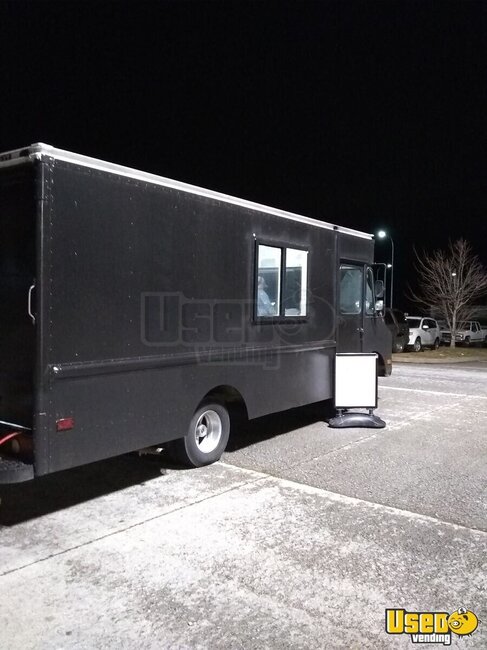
(231, 398)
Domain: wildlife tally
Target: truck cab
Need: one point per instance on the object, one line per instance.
(361, 326)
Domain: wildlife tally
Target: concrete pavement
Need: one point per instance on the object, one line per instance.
(300, 538)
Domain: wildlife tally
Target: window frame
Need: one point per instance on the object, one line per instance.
(361, 267)
(366, 268)
(369, 272)
(281, 317)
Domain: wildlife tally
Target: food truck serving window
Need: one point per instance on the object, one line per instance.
(281, 282)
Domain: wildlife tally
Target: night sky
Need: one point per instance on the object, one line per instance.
(365, 114)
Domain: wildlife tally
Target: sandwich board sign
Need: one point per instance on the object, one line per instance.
(356, 387)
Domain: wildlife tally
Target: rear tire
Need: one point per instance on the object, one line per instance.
(206, 439)
(417, 347)
(436, 344)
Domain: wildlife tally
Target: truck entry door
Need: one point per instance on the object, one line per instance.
(350, 316)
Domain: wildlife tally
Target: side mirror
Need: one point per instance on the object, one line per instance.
(379, 288)
(426, 327)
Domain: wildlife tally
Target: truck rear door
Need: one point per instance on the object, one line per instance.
(17, 279)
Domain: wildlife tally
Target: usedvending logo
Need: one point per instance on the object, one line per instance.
(431, 627)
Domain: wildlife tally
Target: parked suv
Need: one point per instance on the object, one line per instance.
(423, 333)
(398, 325)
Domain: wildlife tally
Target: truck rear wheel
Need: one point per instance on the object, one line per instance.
(417, 345)
(206, 439)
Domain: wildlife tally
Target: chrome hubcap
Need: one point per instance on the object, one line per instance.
(208, 431)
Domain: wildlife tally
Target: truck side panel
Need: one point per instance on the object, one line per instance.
(150, 307)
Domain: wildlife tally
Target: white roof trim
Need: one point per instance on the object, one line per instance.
(39, 150)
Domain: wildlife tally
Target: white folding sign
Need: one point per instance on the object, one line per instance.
(356, 381)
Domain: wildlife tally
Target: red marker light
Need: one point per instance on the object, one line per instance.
(65, 424)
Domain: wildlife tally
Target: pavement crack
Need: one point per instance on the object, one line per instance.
(424, 414)
(345, 498)
(347, 445)
(256, 479)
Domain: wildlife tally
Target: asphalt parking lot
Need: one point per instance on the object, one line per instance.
(300, 537)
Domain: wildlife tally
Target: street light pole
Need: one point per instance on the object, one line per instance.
(392, 268)
(382, 234)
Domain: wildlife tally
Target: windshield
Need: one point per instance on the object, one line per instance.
(414, 322)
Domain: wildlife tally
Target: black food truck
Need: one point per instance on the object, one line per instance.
(139, 311)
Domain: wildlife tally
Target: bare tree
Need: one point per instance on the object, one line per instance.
(449, 282)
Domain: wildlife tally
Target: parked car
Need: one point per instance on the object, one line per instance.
(468, 332)
(398, 325)
(423, 333)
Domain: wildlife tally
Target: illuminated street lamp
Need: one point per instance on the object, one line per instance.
(454, 276)
(382, 235)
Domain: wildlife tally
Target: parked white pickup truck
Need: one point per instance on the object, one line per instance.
(468, 332)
